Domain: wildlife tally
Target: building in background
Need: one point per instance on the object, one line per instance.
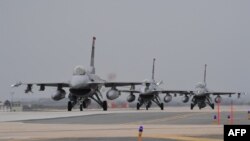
(7, 106)
(16, 106)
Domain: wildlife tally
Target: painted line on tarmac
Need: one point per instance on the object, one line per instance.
(166, 118)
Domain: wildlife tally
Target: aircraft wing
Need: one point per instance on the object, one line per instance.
(41, 85)
(118, 84)
(130, 91)
(183, 92)
(115, 84)
(53, 84)
(180, 92)
(225, 93)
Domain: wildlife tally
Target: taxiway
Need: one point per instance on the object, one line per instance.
(174, 123)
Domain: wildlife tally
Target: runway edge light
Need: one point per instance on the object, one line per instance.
(229, 119)
(214, 119)
(140, 133)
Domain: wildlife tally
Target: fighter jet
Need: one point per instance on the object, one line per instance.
(202, 95)
(84, 86)
(148, 93)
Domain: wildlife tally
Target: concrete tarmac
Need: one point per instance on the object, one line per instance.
(172, 124)
(161, 118)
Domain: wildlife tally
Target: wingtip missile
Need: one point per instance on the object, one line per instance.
(16, 84)
(160, 83)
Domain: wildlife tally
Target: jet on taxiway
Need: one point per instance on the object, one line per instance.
(148, 93)
(84, 86)
(201, 95)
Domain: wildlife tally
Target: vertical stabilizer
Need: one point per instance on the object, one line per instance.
(205, 75)
(92, 61)
(153, 70)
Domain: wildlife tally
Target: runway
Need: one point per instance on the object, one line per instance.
(172, 124)
(158, 117)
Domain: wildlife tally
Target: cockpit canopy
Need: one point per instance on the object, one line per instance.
(200, 85)
(79, 70)
(145, 81)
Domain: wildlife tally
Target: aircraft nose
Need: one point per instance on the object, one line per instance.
(77, 83)
(200, 92)
(144, 90)
(74, 85)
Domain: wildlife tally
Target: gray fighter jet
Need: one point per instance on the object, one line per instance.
(148, 93)
(201, 96)
(84, 86)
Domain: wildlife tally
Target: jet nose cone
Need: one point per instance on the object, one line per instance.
(78, 82)
(143, 90)
(75, 85)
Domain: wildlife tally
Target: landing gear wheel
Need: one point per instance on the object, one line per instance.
(69, 106)
(104, 105)
(84, 105)
(81, 106)
(162, 106)
(212, 106)
(147, 106)
(192, 106)
(138, 106)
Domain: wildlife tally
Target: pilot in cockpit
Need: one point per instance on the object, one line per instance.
(79, 70)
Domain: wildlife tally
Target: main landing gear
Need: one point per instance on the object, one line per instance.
(138, 106)
(201, 103)
(157, 102)
(148, 104)
(84, 103)
(210, 103)
(104, 105)
(192, 106)
(70, 106)
(98, 100)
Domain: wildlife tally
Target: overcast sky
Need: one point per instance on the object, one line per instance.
(43, 40)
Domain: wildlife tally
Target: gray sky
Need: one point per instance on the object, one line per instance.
(42, 41)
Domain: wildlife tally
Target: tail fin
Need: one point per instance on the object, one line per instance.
(205, 75)
(153, 70)
(92, 63)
